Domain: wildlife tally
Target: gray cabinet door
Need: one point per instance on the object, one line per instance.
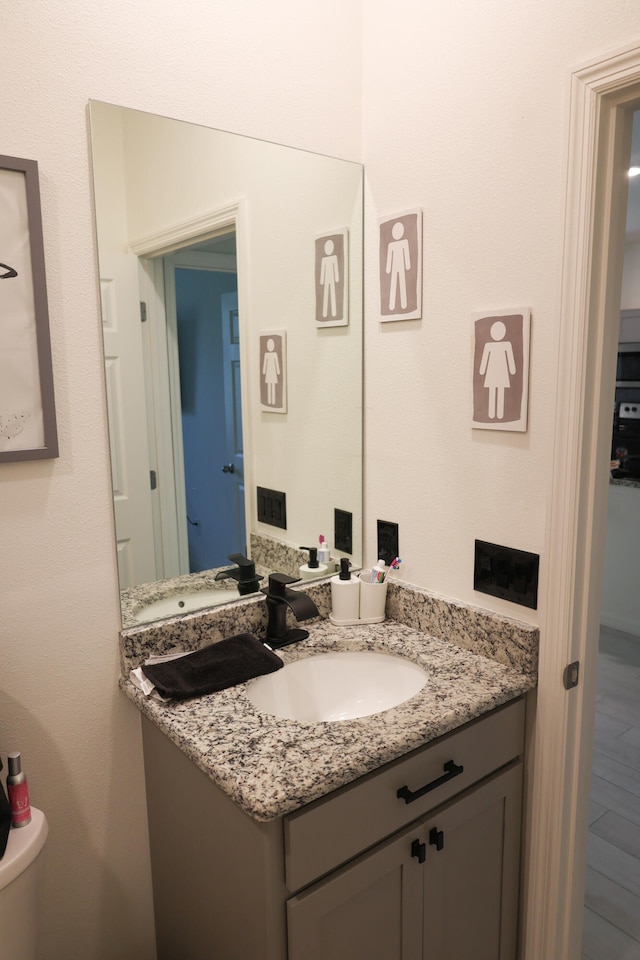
(471, 884)
(368, 910)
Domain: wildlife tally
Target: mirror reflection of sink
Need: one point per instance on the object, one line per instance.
(337, 686)
(185, 602)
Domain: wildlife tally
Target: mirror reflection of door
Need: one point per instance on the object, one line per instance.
(174, 395)
(202, 302)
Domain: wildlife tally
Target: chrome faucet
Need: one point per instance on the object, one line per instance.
(279, 597)
(244, 572)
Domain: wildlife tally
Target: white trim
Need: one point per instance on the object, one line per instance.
(187, 232)
(165, 513)
(174, 424)
(592, 263)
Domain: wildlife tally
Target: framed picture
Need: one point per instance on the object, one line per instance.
(500, 347)
(27, 406)
(400, 263)
(273, 371)
(332, 279)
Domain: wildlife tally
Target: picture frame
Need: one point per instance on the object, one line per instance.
(273, 371)
(400, 266)
(331, 269)
(500, 369)
(28, 429)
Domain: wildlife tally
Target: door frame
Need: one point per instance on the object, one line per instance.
(170, 519)
(602, 93)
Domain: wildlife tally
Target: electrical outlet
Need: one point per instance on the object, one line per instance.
(272, 507)
(506, 573)
(343, 530)
(388, 548)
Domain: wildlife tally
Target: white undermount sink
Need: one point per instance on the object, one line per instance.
(337, 686)
(185, 602)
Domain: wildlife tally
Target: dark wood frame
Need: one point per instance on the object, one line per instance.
(49, 449)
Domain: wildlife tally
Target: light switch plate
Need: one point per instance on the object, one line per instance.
(506, 573)
(387, 541)
(272, 507)
(343, 530)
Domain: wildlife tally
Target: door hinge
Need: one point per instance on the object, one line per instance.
(153, 479)
(143, 312)
(571, 674)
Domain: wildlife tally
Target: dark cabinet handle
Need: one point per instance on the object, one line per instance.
(228, 468)
(436, 838)
(419, 851)
(450, 771)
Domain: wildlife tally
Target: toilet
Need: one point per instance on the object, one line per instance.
(20, 869)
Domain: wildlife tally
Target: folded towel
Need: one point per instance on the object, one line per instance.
(212, 668)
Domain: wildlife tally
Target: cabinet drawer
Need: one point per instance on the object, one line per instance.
(336, 828)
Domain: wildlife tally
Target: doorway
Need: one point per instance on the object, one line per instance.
(208, 344)
(192, 348)
(611, 927)
(603, 96)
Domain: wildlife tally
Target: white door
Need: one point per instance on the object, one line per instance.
(125, 388)
(234, 467)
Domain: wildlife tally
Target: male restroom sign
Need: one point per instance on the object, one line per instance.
(501, 369)
(331, 276)
(400, 266)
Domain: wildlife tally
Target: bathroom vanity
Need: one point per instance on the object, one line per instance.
(389, 837)
(358, 875)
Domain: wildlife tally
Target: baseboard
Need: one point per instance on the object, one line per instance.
(624, 624)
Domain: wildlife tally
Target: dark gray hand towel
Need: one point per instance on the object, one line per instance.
(220, 665)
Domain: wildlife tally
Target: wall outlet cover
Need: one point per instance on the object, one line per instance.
(506, 573)
(343, 530)
(272, 507)
(388, 548)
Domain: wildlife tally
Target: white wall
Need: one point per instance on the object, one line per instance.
(620, 598)
(631, 276)
(466, 116)
(279, 71)
(465, 113)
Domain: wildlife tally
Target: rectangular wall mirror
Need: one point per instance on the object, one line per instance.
(231, 289)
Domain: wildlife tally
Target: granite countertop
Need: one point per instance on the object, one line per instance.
(271, 766)
(625, 482)
(134, 599)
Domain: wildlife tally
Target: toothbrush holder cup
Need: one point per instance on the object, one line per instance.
(373, 599)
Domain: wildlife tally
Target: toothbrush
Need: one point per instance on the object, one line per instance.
(395, 563)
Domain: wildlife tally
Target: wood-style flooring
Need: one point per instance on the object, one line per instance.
(612, 896)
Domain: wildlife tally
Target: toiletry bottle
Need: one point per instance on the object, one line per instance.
(345, 595)
(324, 555)
(377, 573)
(313, 568)
(18, 791)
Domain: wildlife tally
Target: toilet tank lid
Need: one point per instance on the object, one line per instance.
(24, 845)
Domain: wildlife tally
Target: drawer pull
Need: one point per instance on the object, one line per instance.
(419, 851)
(451, 771)
(436, 838)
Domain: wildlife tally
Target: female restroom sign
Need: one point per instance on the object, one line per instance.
(273, 371)
(501, 369)
(400, 265)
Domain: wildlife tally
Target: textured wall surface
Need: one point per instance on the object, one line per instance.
(281, 71)
(458, 108)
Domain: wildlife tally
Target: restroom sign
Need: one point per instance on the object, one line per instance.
(500, 379)
(400, 266)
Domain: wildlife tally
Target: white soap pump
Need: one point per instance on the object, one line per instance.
(345, 595)
(313, 569)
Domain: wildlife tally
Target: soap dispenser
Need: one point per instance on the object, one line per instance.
(313, 569)
(345, 596)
